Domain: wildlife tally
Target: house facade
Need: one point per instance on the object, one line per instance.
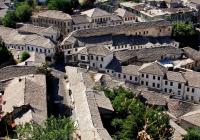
(154, 76)
(53, 18)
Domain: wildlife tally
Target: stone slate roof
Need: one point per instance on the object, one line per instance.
(79, 19)
(123, 13)
(179, 108)
(114, 65)
(154, 68)
(123, 28)
(153, 98)
(175, 76)
(31, 90)
(95, 12)
(147, 54)
(192, 118)
(30, 28)
(11, 36)
(193, 78)
(53, 14)
(99, 50)
(130, 69)
(95, 50)
(16, 71)
(191, 53)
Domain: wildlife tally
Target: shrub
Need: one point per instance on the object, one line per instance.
(24, 56)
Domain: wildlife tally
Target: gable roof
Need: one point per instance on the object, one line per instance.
(123, 13)
(95, 50)
(131, 69)
(79, 19)
(192, 118)
(191, 53)
(95, 12)
(54, 14)
(154, 68)
(175, 76)
(192, 78)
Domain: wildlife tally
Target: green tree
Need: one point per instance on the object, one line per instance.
(23, 12)
(60, 128)
(62, 5)
(133, 117)
(4, 53)
(192, 134)
(185, 33)
(24, 55)
(9, 19)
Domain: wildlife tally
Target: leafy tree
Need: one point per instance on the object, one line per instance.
(133, 118)
(192, 134)
(24, 55)
(60, 128)
(62, 5)
(9, 19)
(185, 33)
(4, 53)
(23, 12)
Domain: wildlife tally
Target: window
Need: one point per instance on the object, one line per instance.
(40, 50)
(192, 90)
(171, 83)
(165, 89)
(93, 64)
(147, 83)
(179, 92)
(100, 65)
(147, 76)
(119, 75)
(36, 49)
(124, 76)
(142, 75)
(179, 86)
(158, 78)
(48, 51)
(82, 57)
(158, 85)
(91, 57)
(187, 97)
(170, 91)
(135, 78)
(154, 77)
(142, 82)
(131, 77)
(97, 58)
(101, 58)
(166, 82)
(192, 98)
(188, 89)
(153, 84)
(107, 71)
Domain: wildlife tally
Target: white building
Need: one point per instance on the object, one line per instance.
(27, 42)
(94, 57)
(181, 85)
(152, 74)
(192, 86)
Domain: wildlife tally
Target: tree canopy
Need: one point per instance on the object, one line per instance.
(9, 19)
(185, 33)
(60, 128)
(24, 55)
(133, 118)
(4, 53)
(62, 5)
(23, 12)
(192, 134)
